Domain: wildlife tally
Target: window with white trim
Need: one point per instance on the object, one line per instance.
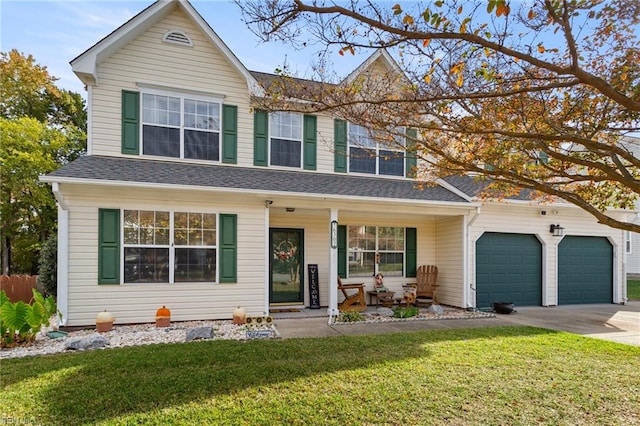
(168, 247)
(180, 126)
(285, 139)
(366, 243)
(627, 241)
(370, 153)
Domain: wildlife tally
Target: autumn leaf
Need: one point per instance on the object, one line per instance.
(397, 9)
(460, 10)
(457, 68)
(427, 78)
(426, 42)
(407, 20)
(541, 48)
(503, 9)
(531, 14)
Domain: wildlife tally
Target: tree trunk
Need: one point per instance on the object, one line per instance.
(6, 256)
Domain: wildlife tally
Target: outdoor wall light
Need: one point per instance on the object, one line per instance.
(290, 209)
(334, 234)
(556, 230)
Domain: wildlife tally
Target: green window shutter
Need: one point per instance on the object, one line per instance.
(130, 122)
(411, 252)
(310, 130)
(108, 246)
(342, 251)
(229, 134)
(340, 145)
(228, 248)
(411, 159)
(260, 138)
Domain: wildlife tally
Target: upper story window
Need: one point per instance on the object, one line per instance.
(285, 139)
(627, 241)
(180, 127)
(371, 154)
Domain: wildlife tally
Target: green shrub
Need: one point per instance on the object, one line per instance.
(350, 316)
(409, 312)
(48, 266)
(20, 322)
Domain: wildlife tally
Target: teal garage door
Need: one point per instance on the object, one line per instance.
(508, 269)
(585, 270)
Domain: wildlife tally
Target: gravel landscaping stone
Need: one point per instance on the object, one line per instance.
(126, 335)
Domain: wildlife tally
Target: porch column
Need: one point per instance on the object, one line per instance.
(333, 267)
(267, 254)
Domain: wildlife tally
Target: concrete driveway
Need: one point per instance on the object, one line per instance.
(617, 323)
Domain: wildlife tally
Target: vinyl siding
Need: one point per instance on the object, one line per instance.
(131, 303)
(528, 220)
(325, 144)
(147, 59)
(449, 242)
(633, 259)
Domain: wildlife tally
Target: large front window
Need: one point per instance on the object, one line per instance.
(370, 244)
(180, 127)
(285, 139)
(163, 247)
(375, 153)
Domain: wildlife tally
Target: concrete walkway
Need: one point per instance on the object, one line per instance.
(617, 323)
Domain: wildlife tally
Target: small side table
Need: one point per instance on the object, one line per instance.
(384, 298)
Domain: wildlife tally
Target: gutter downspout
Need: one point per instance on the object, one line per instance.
(466, 254)
(62, 299)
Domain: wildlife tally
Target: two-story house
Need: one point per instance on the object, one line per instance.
(190, 197)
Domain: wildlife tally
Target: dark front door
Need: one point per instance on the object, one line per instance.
(286, 281)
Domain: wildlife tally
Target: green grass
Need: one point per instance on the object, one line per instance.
(487, 376)
(633, 289)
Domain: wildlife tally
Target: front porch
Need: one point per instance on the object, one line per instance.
(372, 316)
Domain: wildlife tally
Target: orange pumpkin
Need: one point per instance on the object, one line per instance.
(163, 312)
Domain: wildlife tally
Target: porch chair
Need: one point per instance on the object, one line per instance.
(354, 301)
(427, 280)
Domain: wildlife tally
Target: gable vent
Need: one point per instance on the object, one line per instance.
(177, 37)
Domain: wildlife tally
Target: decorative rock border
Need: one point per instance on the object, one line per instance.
(424, 315)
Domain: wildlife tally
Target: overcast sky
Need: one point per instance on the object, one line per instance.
(56, 31)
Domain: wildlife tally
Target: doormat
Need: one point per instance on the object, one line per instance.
(284, 310)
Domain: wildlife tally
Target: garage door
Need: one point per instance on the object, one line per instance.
(585, 270)
(508, 269)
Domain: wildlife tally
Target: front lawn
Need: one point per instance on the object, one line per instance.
(633, 289)
(501, 375)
